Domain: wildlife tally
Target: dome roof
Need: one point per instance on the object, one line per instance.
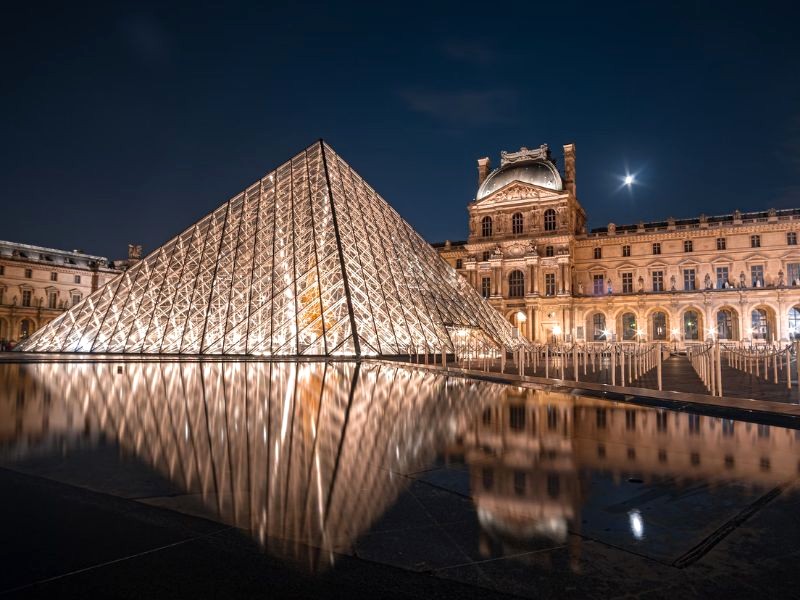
(538, 172)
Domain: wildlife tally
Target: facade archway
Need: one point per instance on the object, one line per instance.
(26, 328)
(629, 326)
(727, 323)
(596, 327)
(658, 324)
(794, 323)
(762, 323)
(691, 325)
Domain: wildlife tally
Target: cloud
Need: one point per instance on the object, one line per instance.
(470, 51)
(466, 107)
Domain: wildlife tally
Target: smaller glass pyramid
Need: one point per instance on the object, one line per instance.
(309, 260)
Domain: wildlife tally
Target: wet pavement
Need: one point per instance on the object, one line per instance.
(336, 479)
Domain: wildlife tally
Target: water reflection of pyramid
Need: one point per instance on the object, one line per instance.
(308, 260)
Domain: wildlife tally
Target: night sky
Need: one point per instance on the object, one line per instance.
(127, 123)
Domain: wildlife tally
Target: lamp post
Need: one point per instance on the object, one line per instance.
(675, 332)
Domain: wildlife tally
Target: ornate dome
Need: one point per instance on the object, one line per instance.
(541, 173)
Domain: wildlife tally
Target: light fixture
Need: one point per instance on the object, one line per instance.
(521, 318)
(556, 329)
(636, 523)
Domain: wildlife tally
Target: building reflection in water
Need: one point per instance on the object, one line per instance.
(308, 456)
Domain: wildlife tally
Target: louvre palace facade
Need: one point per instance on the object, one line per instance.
(735, 276)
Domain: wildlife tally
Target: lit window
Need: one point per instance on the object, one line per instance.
(598, 253)
(689, 280)
(722, 277)
(549, 220)
(659, 326)
(599, 327)
(688, 246)
(690, 325)
(549, 284)
(597, 284)
(721, 245)
(658, 281)
(627, 283)
(486, 226)
(516, 223)
(760, 324)
(755, 241)
(516, 284)
(486, 287)
(793, 273)
(629, 328)
(626, 250)
(656, 248)
(757, 275)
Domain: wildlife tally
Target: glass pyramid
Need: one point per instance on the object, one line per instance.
(309, 260)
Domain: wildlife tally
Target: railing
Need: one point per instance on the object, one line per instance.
(765, 361)
(707, 363)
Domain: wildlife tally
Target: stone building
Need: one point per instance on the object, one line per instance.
(734, 276)
(37, 284)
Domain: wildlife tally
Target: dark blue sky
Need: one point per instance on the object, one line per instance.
(128, 122)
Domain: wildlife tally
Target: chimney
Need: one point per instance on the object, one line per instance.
(569, 168)
(484, 166)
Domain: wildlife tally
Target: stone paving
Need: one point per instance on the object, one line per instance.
(678, 375)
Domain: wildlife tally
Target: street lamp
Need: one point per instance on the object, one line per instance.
(556, 331)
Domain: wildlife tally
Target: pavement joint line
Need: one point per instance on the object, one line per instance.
(439, 487)
(706, 545)
(498, 558)
(112, 562)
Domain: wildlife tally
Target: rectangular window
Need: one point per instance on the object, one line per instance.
(26, 297)
(2, 293)
(2, 270)
(658, 281)
(626, 250)
(755, 241)
(53, 276)
(597, 284)
(722, 277)
(757, 275)
(548, 251)
(486, 255)
(688, 280)
(77, 278)
(486, 287)
(793, 273)
(688, 246)
(549, 284)
(598, 253)
(791, 238)
(76, 298)
(627, 283)
(52, 299)
(28, 273)
(459, 263)
(721, 244)
(656, 248)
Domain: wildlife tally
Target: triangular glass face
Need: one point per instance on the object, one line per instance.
(309, 260)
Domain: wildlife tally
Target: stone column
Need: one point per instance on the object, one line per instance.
(529, 313)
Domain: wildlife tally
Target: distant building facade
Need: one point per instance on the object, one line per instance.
(37, 284)
(734, 276)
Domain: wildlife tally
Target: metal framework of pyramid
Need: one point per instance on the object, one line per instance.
(309, 260)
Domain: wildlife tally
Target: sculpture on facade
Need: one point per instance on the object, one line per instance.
(707, 282)
(672, 283)
(741, 280)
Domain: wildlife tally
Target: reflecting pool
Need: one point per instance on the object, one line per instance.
(402, 465)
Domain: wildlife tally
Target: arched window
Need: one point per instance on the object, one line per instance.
(760, 324)
(794, 323)
(549, 220)
(516, 284)
(598, 327)
(628, 326)
(486, 226)
(25, 328)
(516, 223)
(659, 326)
(690, 325)
(725, 324)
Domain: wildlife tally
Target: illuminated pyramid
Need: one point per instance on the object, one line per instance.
(309, 260)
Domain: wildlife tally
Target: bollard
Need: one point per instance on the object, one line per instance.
(547, 361)
(658, 367)
(622, 368)
(614, 367)
(719, 370)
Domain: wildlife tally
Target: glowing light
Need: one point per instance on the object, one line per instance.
(637, 524)
(675, 331)
(521, 318)
(606, 333)
(556, 330)
(629, 179)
